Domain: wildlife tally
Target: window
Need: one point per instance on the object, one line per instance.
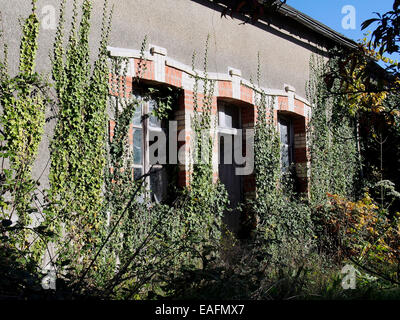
(228, 123)
(286, 139)
(145, 126)
(228, 118)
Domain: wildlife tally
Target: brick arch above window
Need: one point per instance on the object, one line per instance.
(159, 68)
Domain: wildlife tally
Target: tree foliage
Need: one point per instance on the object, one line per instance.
(252, 9)
(386, 36)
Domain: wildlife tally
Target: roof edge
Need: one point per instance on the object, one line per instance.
(316, 26)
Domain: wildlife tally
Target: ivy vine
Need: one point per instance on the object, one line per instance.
(23, 99)
(78, 146)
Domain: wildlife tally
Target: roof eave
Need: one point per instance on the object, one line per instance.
(316, 26)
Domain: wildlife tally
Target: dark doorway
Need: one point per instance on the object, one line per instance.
(228, 123)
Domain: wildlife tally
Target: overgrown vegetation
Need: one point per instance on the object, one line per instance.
(100, 230)
(78, 145)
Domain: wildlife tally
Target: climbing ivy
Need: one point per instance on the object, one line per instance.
(207, 200)
(78, 145)
(23, 99)
(334, 146)
(114, 239)
(284, 228)
(332, 137)
(147, 241)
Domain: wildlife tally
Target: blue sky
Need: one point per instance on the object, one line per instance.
(329, 12)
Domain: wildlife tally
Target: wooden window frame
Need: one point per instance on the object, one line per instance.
(222, 128)
(291, 139)
(145, 126)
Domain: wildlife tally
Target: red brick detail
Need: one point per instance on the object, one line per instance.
(112, 172)
(188, 103)
(130, 134)
(183, 178)
(187, 100)
(111, 127)
(255, 110)
(117, 83)
(111, 84)
(246, 94)
(271, 114)
(173, 76)
(225, 89)
(300, 153)
(183, 145)
(267, 114)
(215, 177)
(255, 113)
(283, 103)
(214, 106)
(306, 121)
(147, 72)
(298, 107)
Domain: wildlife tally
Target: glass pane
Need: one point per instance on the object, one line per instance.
(137, 117)
(151, 143)
(221, 116)
(232, 117)
(284, 131)
(137, 146)
(228, 117)
(285, 157)
(158, 184)
(153, 121)
(137, 97)
(226, 148)
(137, 172)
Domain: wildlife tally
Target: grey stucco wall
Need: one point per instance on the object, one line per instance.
(180, 26)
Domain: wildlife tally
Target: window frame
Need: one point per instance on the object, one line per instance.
(290, 131)
(222, 116)
(146, 127)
